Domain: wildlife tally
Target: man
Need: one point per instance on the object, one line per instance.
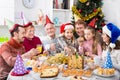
(79, 28)
(10, 49)
(51, 37)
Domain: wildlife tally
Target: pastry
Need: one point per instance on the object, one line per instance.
(49, 72)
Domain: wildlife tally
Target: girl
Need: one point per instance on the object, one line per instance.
(66, 42)
(91, 45)
(111, 42)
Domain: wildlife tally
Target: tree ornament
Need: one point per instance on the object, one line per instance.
(80, 11)
(94, 10)
(83, 1)
(88, 3)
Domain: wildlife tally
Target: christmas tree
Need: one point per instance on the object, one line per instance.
(90, 11)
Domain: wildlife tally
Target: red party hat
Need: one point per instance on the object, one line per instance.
(19, 69)
(48, 20)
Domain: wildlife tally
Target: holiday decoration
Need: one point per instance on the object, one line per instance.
(76, 17)
(40, 17)
(48, 20)
(108, 62)
(113, 32)
(9, 24)
(89, 10)
(19, 69)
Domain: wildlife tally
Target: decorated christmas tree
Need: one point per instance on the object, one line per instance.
(90, 11)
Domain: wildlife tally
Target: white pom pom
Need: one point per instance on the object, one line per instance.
(112, 45)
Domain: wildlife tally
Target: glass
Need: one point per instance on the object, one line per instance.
(39, 48)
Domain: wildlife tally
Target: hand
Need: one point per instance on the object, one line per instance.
(34, 52)
(45, 52)
(52, 47)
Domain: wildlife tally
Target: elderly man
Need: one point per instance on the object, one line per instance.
(10, 49)
(51, 36)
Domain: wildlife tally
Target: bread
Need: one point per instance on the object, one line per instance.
(49, 72)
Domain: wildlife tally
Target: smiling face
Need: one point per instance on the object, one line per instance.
(50, 30)
(68, 33)
(19, 36)
(105, 38)
(30, 31)
(79, 28)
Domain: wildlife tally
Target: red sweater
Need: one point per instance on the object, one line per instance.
(29, 44)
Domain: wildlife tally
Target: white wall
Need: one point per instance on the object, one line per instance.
(31, 14)
(111, 11)
(6, 10)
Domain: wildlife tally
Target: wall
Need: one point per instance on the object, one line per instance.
(6, 10)
(31, 14)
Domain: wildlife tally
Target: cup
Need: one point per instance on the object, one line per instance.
(39, 48)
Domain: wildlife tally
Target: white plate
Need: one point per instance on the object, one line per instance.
(95, 72)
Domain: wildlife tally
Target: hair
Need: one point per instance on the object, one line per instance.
(117, 43)
(80, 22)
(16, 29)
(96, 39)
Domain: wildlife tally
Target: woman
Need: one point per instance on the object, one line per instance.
(31, 41)
(111, 37)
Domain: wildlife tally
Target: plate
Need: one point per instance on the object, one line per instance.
(95, 72)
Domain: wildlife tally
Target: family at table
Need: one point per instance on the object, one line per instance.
(80, 38)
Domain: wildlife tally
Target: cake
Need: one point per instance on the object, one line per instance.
(49, 72)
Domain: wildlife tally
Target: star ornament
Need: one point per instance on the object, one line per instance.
(108, 62)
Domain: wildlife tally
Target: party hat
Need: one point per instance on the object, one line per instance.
(113, 32)
(25, 21)
(76, 18)
(92, 23)
(48, 20)
(19, 69)
(9, 23)
(40, 17)
(108, 62)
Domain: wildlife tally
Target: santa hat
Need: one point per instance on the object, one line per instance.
(48, 21)
(113, 32)
(66, 26)
(108, 62)
(11, 25)
(76, 18)
(19, 69)
(26, 23)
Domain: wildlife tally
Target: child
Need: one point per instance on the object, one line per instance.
(111, 37)
(67, 41)
(81, 43)
(91, 45)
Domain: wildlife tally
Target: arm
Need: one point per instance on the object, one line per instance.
(116, 62)
(7, 56)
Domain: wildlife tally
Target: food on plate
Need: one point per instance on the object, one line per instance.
(72, 72)
(75, 62)
(59, 58)
(88, 73)
(49, 72)
(104, 71)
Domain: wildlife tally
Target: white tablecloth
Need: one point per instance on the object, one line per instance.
(35, 76)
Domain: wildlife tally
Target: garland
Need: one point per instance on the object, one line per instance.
(86, 18)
